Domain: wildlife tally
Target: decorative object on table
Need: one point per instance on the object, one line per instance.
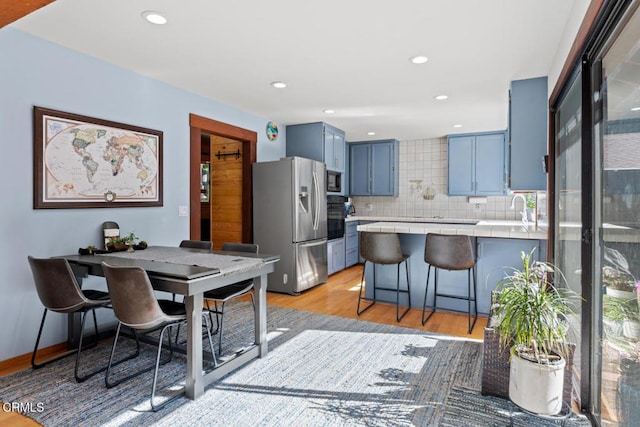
(91, 250)
(84, 162)
(125, 243)
(532, 321)
(272, 131)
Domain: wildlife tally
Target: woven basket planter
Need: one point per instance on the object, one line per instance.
(496, 366)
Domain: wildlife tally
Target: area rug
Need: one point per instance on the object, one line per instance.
(320, 371)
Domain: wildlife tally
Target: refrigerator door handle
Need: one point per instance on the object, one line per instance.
(316, 202)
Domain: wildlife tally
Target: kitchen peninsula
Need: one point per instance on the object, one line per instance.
(497, 246)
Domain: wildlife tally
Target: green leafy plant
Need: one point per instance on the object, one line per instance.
(532, 311)
(531, 200)
(620, 308)
(616, 279)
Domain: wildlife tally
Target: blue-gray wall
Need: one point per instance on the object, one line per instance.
(36, 72)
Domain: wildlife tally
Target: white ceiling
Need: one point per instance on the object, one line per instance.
(348, 55)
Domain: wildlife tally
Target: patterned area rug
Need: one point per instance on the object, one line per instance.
(320, 371)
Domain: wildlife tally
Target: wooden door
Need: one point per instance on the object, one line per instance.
(225, 191)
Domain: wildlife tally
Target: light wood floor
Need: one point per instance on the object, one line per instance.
(337, 297)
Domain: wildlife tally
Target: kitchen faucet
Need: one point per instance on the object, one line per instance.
(523, 213)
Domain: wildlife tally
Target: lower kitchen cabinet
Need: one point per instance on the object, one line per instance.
(335, 255)
(351, 243)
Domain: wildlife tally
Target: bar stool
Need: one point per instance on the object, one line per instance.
(454, 253)
(383, 248)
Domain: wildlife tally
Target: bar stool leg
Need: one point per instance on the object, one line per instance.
(398, 316)
(426, 293)
(358, 311)
(472, 273)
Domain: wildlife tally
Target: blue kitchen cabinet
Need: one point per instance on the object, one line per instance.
(335, 255)
(373, 168)
(477, 164)
(351, 244)
(318, 141)
(497, 258)
(528, 134)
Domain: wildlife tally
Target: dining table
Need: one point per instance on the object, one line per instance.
(191, 272)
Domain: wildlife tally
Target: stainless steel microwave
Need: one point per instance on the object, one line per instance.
(334, 182)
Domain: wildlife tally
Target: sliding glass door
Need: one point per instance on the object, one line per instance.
(617, 228)
(568, 190)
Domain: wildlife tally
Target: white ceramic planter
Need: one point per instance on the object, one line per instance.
(535, 387)
(631, 329)
(616, 293)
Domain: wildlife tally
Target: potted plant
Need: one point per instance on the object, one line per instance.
(615, 311)
(618, 283)
(532, 321)
(122, 243)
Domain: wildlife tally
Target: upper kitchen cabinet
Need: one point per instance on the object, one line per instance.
(528, 133)
(477, 164)
(373, 168)
(318, 141)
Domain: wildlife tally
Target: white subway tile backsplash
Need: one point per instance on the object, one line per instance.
(423, 165)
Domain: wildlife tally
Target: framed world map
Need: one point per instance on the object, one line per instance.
(84, 162)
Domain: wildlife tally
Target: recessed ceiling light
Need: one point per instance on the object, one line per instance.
(457, 126)
(371, 133)
(419, 59)
(329, 111)
(154, 17)
(441, 97)
(279, 85)
(635, 109)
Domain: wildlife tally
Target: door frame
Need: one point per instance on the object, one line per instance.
(249, 139)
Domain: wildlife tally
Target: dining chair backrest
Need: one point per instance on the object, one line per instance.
(240, 247)
(196, 244)
(56, 284)
(132, 297)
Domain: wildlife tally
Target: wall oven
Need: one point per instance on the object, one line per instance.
(335, 216)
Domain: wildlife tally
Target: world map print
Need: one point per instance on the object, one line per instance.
(87, 161)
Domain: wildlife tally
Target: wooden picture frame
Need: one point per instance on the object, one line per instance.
(84, 162)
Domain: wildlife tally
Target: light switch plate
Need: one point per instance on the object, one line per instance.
(183, 210)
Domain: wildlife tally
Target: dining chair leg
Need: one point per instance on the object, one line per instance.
(110, 384)
(155, 407)
(96, 340)
(221, 313)
(398, 316)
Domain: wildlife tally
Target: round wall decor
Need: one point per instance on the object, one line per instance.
(272, 131)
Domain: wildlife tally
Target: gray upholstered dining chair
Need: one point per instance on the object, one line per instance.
(137, 307)
(59, 291)
(222, 295)
(384, 249)
(454, 253)
(196, 244)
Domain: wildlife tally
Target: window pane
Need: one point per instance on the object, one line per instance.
(618, 229)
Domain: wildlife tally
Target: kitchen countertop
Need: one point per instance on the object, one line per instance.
(468, 227)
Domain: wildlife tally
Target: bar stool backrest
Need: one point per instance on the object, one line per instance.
(381, 248)
(450, 252)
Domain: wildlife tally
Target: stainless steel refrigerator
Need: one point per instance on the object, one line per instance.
(290, 219)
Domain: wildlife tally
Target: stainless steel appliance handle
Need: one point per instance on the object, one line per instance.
(315, 201)
(314, 243)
